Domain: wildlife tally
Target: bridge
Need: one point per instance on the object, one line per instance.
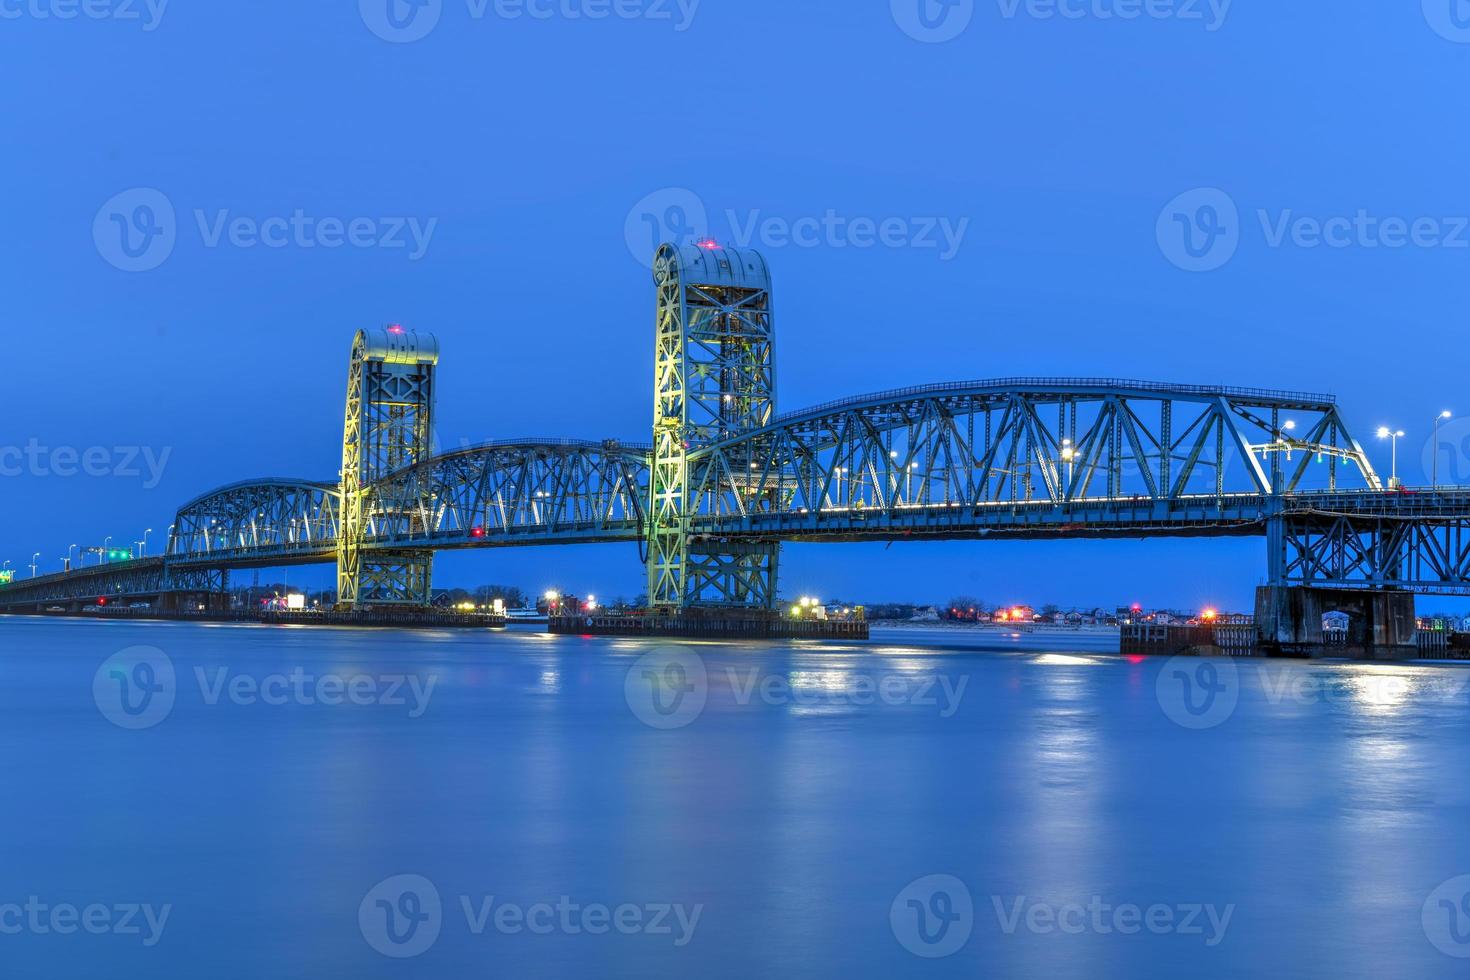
(725, 479)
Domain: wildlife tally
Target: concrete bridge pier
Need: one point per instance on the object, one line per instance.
(1381, 624)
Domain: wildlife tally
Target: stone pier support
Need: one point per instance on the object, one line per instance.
(1381, 625)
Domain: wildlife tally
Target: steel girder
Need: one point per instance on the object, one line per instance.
(524, 491)
(137, 579)
(1026, 452)
(1417, 542)
(268, 519)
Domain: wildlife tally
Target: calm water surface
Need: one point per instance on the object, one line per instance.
(746, 809)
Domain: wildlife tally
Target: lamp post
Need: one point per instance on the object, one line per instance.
(1434, 480)
(1393, 436)
(34, 558)
(81, 556)
(143, 552)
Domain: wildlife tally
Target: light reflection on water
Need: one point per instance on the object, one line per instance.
(1326, 807)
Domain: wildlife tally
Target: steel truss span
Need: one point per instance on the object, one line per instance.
(1415, 541)
(514, 492)
(1043, 457)
(725, 480)
(259, 519)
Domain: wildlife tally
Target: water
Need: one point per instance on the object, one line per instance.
(798, 813)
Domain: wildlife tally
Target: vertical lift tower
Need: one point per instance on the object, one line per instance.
(714, 379)
(390, 417)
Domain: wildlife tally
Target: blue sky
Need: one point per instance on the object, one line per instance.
(526, 151)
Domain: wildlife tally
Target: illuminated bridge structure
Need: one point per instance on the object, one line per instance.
(726, 480)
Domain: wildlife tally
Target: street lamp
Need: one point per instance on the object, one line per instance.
(144, 552)
(106, 546)
(1069, 455)
(1434, 480)
(1393, 436)
(82, 558)
(34, 558)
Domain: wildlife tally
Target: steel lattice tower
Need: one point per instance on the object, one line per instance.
(390, 415)
(714, 379)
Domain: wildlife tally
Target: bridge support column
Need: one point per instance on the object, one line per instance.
(714, 381)
(1381, 624)
(389, 427)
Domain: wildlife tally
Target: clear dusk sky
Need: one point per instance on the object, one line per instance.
(203, 201)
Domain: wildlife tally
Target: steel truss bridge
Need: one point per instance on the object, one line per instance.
(726, 480)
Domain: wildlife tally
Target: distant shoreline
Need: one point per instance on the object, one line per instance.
(879, 624)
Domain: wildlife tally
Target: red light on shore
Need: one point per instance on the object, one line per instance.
(477, 532)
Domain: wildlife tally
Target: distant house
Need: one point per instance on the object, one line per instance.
(925, 614)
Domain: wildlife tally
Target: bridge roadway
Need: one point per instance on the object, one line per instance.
(1412, 539)
(1026, 458)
